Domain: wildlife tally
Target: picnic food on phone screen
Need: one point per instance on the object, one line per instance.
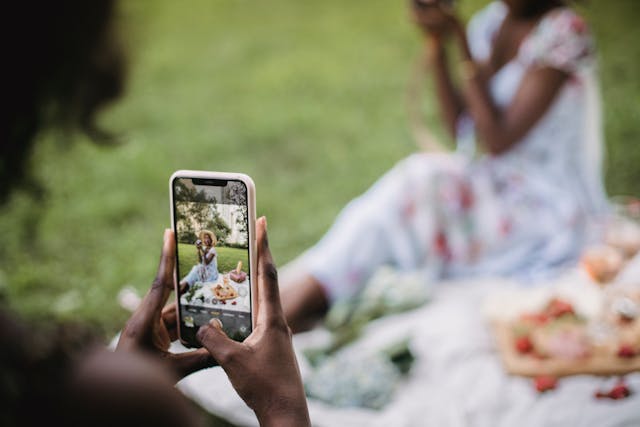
(238, 275)
(224, 291)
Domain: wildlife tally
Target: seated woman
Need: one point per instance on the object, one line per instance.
(207, 269)
(522, 207)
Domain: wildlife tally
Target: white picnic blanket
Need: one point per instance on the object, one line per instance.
(457, 378)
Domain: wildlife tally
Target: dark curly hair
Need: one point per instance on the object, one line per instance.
(535, 8)
(63, 62)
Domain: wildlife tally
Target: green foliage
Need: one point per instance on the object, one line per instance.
(195, 211)
(306, 97)
(236, 193)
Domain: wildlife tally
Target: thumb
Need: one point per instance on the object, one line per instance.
(219, 345)
(163, 283)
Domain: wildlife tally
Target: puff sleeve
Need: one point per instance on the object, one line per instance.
(561, 41)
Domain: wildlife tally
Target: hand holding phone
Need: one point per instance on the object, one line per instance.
(263, 369)
(153, 325)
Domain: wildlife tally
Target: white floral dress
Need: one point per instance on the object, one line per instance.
(523, 213)
(204, 272)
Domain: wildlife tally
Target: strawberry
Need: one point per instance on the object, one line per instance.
(523, 344)
(545, 383)
(619, 391)
(626, 351)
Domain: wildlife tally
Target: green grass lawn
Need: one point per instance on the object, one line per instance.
(227, 258)
(306, 97)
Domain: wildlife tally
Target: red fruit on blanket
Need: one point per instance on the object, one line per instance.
(626, 351)
(545, 383)
(524, 345)
(619, 391)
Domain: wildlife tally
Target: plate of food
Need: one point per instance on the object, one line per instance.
(224, 291)
(557, 340)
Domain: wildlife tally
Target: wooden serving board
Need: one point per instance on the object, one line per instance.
(228, 292)
(530, 366)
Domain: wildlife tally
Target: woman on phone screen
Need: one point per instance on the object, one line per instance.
(526, 100)
(207, 269)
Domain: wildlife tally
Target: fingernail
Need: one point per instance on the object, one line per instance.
(264, 219)
(167, 233)
(216, 323)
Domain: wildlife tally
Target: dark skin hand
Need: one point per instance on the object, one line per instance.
(433, 17)
(497, 128)
(263, 369)
(153, 326)
(125, 389)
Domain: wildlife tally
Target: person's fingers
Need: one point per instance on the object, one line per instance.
(170, 320)
(163, 283)
(161, 338)
(187, 363)
(182, 287)
(149, 311)
(268, 294)
(170, 313)
(217, 343)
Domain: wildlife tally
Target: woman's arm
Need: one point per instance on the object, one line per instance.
(208, 256)
(500, 129)
(448, 97)
(200, 252)
(435, 24)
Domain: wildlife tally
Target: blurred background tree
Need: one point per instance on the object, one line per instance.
(196, 211)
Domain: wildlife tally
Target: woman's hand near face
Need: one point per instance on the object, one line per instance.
(434, 19)
(153, 325)
(263, 369)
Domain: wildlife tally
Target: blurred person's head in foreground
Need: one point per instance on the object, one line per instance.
(63, 63)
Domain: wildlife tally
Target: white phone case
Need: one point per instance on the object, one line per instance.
(251, 211)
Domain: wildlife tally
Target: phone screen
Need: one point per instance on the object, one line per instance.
(213, 268)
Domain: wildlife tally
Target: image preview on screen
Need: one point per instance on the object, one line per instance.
(211, 223)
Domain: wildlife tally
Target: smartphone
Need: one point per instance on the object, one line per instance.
(213, 217)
